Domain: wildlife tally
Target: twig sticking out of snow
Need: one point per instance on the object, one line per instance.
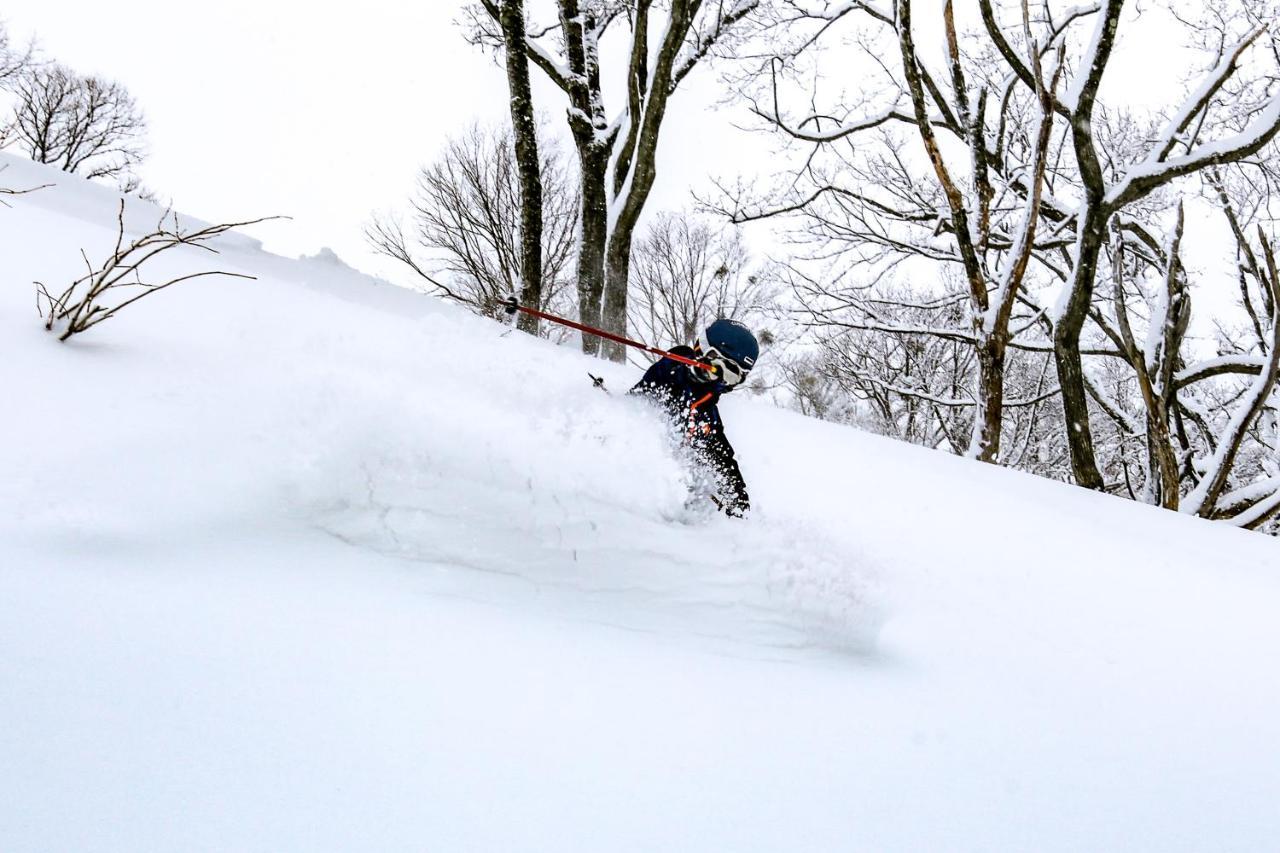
(9, 191)
(80, 307)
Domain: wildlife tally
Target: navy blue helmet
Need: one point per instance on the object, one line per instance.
(730, 346)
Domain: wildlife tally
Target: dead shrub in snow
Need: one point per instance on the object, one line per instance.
(115, 283)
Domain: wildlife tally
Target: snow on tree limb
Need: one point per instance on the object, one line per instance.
(1253, 504)
(1151, 174)
(1079, 98)
(1261, 512)
(842, 129)
(1199, 101)
(1204, 499)
(835, 11)
(694, 51)
(1247, 365)
(1018, 66)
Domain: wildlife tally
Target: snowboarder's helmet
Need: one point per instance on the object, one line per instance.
(732, 345)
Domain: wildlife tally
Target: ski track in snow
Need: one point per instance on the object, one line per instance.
(686, 572)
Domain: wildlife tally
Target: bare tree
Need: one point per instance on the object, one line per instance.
(524, 128)
(464, 237)
(689, 274)
(84, 125)
(977, 209)
(1006, 148)
(815, 393)
(910, 386)
(617, 156)
(1193, 138)
(906, 356)
(115, 283)
(992, 300)
(14, 59)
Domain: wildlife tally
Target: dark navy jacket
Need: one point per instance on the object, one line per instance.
(691, 405)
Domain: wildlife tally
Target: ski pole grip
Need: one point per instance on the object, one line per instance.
(510, 306)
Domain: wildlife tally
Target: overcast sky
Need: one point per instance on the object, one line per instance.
(282, 107)
(258, 108)
(276, 108)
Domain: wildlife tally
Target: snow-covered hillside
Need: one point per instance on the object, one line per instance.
(314, 563)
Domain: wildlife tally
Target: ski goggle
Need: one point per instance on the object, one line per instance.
(731, 373)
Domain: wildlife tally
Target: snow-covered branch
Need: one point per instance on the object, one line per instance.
(1245, 365)
(1020, 68)
(1080, 97)
(1199, 101)
(1204, 500)
(797, 10)
(1155, 172)
(842, 129)
(706, 37)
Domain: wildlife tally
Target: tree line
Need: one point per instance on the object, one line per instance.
(986, 244)
(985, 240)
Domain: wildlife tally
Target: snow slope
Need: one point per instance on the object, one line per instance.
(314, 563)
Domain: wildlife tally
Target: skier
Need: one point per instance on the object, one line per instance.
(689, 396)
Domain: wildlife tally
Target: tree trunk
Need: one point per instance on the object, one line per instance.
(1177, 317)
(594, 232)
(640, 166)
(613, 315)
(1155, 370)
(1091, 237)
(525, 130)
(1164, 461)
(587, 124)
(987, 416)
(1066, 350)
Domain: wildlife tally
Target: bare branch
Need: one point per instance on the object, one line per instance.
(81, 305)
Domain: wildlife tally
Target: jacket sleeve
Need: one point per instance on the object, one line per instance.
(663, 381)
(659, 375)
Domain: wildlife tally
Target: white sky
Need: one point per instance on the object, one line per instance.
(323, 113)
